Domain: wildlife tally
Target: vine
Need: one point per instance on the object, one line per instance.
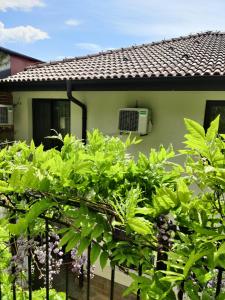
(148, 212)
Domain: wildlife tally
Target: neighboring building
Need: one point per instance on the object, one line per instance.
(176, 78)
(11, 63)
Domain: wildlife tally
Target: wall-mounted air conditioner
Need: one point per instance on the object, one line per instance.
(134, 120)
(6, 115)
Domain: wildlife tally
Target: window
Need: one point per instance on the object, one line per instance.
(50, 114)
(4, 115)
(212, 110)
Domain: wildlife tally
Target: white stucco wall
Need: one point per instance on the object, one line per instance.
(168, 112)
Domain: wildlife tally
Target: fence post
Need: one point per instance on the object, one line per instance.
(139, 274)
(88, 271)
(112, 282)
(47, 258)
(67, 277)
(219, 281)
(29, 268)
(13, 252)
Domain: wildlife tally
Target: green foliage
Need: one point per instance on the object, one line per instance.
(36, 295)
(131, 212)
(30, 217)
(95, 251)
(5, 255)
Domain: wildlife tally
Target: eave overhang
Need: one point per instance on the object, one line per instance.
(188, 83)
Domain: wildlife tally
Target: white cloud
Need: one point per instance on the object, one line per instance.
(92, 48)
(72, 22)
(25, 34)
(20, 4)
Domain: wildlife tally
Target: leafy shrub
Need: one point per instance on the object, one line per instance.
(171, 217)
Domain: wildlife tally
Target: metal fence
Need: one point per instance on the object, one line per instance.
(47, 222)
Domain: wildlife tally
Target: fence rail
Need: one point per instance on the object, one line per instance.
(30, 280)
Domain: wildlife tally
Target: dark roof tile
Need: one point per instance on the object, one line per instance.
(193, 55)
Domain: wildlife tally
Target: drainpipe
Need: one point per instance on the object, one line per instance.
(83, 108)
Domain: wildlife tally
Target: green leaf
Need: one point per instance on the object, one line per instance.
(206, 296)
(203, 230)
(73, 242)
(140, 225)
(38, 208)
(98, 230)
(145, 211)
(183, 192)
(84, 243)
(63, 230)
(219, 255)
(202, 276)
(19, 228)
(69, 235)
(192, 260)
(221, 250)
(4, 187)
(191, 290)
(221, 296)
(172, 276)
(95, 251)
(164, 200)
(103, 259)
(172, 279)
(86, 229)
(213, 129)
(31, 216)
(14, 180)
(195, 129)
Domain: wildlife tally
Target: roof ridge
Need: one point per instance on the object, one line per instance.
(65, 60)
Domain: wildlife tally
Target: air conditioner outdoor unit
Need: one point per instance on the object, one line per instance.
(6, 115)
(134, 120)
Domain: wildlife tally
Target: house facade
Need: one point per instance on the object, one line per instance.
(168, 108)
(11, 63)
(175, 79)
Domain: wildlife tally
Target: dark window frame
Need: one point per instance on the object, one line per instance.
(54, 100)
(51, 101)
(208, 106)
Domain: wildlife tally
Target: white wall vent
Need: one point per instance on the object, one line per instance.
(6, 115)
(134, 120)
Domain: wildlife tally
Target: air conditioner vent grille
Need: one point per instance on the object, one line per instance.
(128, 120)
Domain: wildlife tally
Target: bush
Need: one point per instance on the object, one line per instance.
(171, 216)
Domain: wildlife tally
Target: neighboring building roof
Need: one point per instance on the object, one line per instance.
(201, 54)
(11, 52)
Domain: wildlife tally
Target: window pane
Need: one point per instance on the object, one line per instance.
(213, 109)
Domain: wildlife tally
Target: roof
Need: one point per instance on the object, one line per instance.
(195, 55)
(11, 52)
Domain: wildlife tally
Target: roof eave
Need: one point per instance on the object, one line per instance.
(11, 52)
(187, 83)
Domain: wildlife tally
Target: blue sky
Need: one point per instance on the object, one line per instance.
(54, 29)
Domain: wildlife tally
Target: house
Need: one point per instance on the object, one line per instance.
(11, 63)
(176, 78)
